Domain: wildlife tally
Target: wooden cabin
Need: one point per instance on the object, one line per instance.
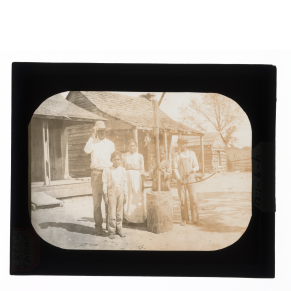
(239, 159)
(48, 136)
(214, 151)
(128, 118)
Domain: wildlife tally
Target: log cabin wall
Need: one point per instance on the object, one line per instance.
(37, 167)
(219, 160)
(79, 161)
(55, 149)
(208, 157)
(211, 158)
(242, 165)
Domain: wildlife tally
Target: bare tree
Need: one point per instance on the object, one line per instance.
(214, 112)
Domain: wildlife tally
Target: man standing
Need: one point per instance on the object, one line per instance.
(185, 166)
(100, 149)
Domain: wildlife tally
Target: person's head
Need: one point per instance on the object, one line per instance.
(182, 143)
(162, 153)
(132, 145)
(100, 129)
(116, 159)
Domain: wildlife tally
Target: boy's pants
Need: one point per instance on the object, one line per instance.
(115, 209)
(193, 201)
(97, 193)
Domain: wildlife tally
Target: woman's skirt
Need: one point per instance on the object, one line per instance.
(134, 207)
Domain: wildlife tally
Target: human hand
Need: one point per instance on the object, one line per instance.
(93, 132)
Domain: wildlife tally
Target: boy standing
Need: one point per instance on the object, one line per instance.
(185, 166)
(115, 194)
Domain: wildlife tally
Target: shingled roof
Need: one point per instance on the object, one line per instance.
(136, 111)
(57, 107)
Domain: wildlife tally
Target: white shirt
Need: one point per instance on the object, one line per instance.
(114, 177)
(184, 155)
(100, 151)
(133, 161)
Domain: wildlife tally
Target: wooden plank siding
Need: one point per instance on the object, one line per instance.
(36, 147)
(242, 165)
(79, 161)
(208, 157)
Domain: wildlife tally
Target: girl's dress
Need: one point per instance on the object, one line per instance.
(134, 210)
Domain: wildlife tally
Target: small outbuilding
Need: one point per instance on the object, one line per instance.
(239, 159)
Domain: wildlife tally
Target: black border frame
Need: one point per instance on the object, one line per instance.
(253, 87)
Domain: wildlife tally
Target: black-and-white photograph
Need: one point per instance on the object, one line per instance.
(161, 171)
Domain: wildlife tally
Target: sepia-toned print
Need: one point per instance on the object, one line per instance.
(140, 171)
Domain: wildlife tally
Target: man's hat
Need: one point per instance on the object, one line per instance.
(182, 139)
(100, 125)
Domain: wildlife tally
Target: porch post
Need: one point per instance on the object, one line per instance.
(65, 153)
(135, 136)
(166, 144)
(46, 153)
(202, 153)
(170, 153)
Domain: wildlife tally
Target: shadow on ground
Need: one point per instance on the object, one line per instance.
(214, 224)
(137, 226)
(72, 227)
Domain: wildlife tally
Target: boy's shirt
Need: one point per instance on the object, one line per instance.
(114, 177)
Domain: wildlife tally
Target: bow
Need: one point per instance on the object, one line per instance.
(201, 180)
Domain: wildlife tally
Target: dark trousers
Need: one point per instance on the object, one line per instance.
(184, 203)
(97, 193)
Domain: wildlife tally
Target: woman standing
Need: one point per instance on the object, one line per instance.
(133, 162)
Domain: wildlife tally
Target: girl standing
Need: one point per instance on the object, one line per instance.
(133, 162)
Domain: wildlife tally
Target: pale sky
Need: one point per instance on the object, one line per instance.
(172, 101)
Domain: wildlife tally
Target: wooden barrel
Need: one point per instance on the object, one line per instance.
(159, 211)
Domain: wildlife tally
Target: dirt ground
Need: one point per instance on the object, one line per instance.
(225, 211)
